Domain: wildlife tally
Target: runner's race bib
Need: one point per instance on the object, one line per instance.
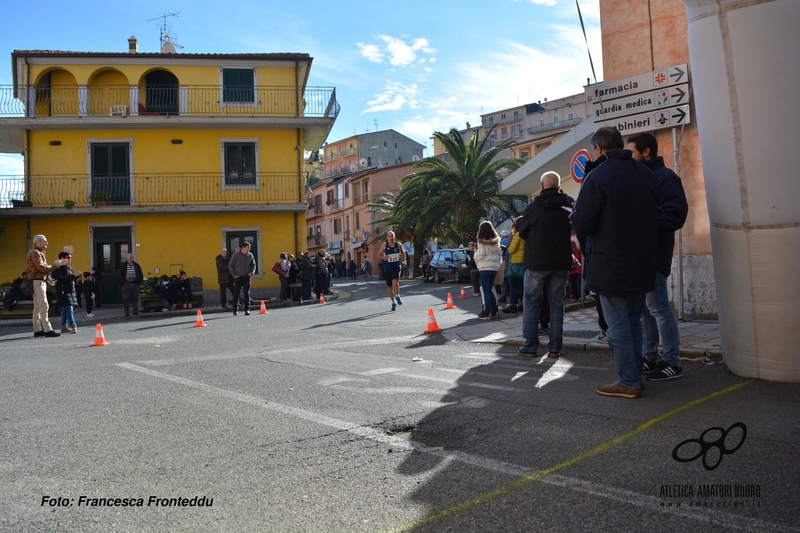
(393, 258)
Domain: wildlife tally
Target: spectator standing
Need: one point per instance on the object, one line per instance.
(474, 274)
(130, 277)
(548, 257)
(242, 267)
(617, 211)
(99, 288)
(307, 272)
(657, 318)
(321, 271)
(295, 279)
(88, 290)
(65, 292)
(223, 278)
(516, 269)
(37, 268)
(284, 278)
(353, 270)
(488, 257)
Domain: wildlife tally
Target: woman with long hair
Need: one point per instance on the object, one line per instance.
(488, 257)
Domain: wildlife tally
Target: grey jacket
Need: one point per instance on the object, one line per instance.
(242, 264)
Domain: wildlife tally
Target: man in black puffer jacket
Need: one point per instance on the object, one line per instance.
(548, 257)
(617, 210)
(658, 319)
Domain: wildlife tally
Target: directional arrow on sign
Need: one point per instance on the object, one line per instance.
(680, 116)
(679, 73)
(680, 93)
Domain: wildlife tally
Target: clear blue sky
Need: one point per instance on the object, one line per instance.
(415, 67)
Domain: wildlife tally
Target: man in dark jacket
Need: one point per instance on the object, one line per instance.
(548, 257)
(657, 318)
(224, 278)
(130, 277)
(242, 267)
(617, 210)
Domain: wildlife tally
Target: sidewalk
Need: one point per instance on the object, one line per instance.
(116, 312)
(699, 339)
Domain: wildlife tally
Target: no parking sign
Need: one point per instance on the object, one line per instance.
(577, 168)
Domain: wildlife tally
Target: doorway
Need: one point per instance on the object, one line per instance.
(111, 246)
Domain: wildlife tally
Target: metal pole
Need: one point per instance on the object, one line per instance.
(677, 167)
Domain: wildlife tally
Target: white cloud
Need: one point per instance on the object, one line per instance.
(372, 52)
(544, 2)
(395, 96)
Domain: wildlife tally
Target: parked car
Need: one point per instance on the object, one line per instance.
(449, 264)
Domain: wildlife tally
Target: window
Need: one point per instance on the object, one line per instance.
(347, 190)
(337, 226)
(555, 119)
(491, 121)
(240, 163)
(238, 85)
(235, 238)
(357, 194)
(516, 115)
(110, 172)
(541, 122)
(366, 189)
(517, 130)
(524, 155)
(570, 116)
(503, 130)
(502, 116)
(358, 221)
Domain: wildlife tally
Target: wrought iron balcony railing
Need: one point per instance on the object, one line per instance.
(186, 100)
(148, 190)
(554, 126)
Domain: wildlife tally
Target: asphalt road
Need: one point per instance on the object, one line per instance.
(345, 417)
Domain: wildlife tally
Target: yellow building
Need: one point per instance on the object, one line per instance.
(167, 156)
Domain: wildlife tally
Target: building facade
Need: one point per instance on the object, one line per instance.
(166, 156)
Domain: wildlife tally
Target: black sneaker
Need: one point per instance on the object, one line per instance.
(39, 333)
(510, 309)
(648, 366)
(664, 371)
(52, 333)
(543, 331)
(484, 314)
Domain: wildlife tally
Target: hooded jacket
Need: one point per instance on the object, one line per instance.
(546, 230)
(674, 209)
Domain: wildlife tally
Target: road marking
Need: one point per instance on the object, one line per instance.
(558, 370)
(541, 475)
(519, 375)
(379, 371)
(524, 475)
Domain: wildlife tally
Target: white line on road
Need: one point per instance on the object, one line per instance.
(611, 493)
(558, 370)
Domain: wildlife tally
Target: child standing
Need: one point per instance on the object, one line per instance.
(88, 291)
(65, 293)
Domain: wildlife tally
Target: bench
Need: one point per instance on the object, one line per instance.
(24, 309)
(153, 301)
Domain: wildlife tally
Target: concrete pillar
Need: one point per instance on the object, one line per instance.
(745, 76)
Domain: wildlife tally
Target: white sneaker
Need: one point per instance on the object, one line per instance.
(90, 315)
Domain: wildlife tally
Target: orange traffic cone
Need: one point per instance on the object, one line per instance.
(433, 327)
(450, 304)
(463, 294)
(199, 323)
(99, 338)
(263, 309)
(322, 298)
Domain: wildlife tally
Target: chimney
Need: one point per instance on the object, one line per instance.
(133, 45)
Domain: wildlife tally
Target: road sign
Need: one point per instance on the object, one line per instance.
(648, 101)
(652, 120)
(367, 234)
(639, 103)
(577, 167)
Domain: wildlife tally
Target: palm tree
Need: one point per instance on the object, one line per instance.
(459, 192)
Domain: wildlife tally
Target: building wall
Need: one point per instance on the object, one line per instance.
(626, 38)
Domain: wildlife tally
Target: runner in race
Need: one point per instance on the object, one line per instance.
(395, 256)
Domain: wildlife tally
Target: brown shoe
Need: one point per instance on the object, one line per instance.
(554, 355)
(621, 391)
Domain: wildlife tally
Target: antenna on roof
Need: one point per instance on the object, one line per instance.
(167, 46)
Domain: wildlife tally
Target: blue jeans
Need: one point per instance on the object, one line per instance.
(487, 294)
(305, 292)
(516, 288)
(67, 316)
(241, 284)
(624, 317)
(536, 283)
(658, 319)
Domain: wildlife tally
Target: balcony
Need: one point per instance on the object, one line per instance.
(555, 126)
(314, 210)
(142, 190)
(185, 100)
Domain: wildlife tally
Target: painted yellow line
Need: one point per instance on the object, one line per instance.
(536, 476)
